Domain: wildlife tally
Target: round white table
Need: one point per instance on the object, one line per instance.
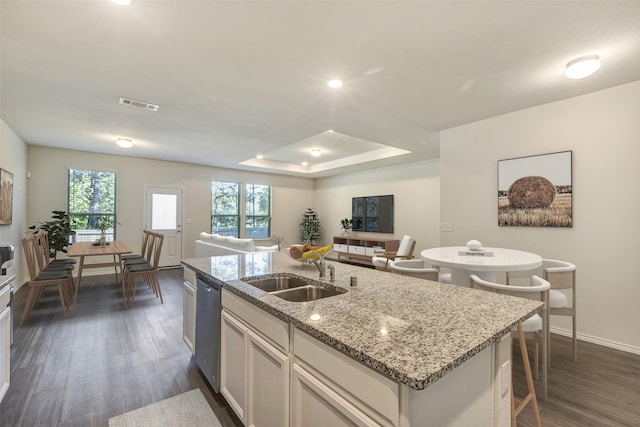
(485, 263)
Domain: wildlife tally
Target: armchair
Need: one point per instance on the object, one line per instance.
(405, 251)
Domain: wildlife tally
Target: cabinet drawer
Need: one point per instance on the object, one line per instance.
(268, 325)
(372, 251)
(339, 247)
(379, 394)
(189, 276)
(358, 250)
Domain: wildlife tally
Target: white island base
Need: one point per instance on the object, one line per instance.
(274, 374)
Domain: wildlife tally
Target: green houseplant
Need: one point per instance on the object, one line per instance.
(104, 223)
(310, 227)
(59, 228)
(348, 224)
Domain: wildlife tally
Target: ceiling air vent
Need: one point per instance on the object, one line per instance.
(141, 104)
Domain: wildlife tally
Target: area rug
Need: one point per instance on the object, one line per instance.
(186, 409)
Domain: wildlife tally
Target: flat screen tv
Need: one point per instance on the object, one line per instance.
(372, 213)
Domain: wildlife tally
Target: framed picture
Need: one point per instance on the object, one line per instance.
(536, 191)
(6, 197)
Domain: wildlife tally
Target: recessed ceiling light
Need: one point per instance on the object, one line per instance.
(316, 152)
(121, 2)
(582, 67)
(259, 156)
(124, 143)
(305, 163)
(335, 83)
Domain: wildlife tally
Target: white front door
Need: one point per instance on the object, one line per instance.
(163, 207)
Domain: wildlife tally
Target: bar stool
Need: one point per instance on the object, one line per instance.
(539, 291)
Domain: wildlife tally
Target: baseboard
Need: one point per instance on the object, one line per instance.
(597, 340)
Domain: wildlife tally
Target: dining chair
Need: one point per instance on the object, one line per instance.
(535, 327)
(144, 251)
(145, 254)
(414, 268)
(40, 279)
(562, 277)
(45, 263)
(147, 271)
(381, 259)
(47, 253)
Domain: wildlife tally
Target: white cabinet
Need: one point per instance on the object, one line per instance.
(5, 351)
(376, 397)
(254, 368)
(5, 340)
(233, 363)
(267, 384)
(315, 404)
(189, 301)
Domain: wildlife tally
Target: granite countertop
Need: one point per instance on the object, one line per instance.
(411, 330)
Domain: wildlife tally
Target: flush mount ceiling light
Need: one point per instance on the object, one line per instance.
(582, 67)
(124, 143)
(316, 152)
(335, 83)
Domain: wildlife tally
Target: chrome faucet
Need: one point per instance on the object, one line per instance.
(332, 273)
(320, 265)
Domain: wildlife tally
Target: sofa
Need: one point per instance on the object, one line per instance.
(216, 244)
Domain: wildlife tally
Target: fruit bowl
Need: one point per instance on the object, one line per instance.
(306, 253)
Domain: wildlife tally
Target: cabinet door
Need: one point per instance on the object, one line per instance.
(5, 351)
(316, 405)
(267, 384)
(189, 315)
(233, 363)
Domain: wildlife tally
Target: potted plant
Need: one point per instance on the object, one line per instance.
(346, 225)
(59, 229)
(104, 223)
(349, 224)
(310, 227)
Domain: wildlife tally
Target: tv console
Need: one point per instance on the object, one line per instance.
(360, 250)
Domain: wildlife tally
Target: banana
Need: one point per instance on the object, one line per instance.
(317, 253)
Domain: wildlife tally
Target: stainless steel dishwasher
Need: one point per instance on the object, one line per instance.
(208, 330)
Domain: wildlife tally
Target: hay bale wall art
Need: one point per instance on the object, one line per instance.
(536, 191)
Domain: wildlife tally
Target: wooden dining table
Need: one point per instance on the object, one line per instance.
(82, 250)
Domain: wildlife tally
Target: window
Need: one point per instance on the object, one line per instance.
(230, 199)
(225, 208)
(258, 211)
(91, 203)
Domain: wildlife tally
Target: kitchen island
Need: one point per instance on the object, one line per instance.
(394, 350)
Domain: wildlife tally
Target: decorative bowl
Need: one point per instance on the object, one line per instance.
(474, 245)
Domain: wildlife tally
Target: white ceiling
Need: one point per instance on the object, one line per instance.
(237, 79)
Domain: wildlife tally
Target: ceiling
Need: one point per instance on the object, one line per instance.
(238, 79)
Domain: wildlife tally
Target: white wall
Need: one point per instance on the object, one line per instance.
(13, 158)
(47, 191)
(603, 131)
(416, 191)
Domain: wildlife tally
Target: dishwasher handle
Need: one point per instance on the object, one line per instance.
(210, 286)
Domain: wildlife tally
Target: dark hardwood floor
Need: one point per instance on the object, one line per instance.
(103, 362)
(107, 361)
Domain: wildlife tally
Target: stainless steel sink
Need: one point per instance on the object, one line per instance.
(308, 293)
(277, 283)
(295, 289)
